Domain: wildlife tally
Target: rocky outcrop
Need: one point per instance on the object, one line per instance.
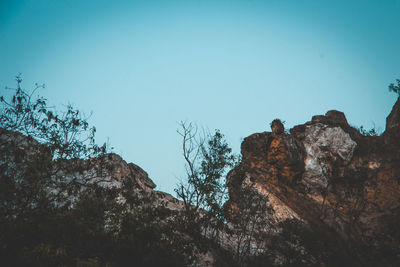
(393, 120)
(21, 152)
(119, 170)
(342, 184)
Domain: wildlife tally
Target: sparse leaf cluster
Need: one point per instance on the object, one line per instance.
(395, 88)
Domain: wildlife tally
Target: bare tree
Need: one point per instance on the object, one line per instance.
(204, 192)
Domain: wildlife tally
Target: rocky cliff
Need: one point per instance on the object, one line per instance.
(326, 175)
(20, 154)
(333, 194)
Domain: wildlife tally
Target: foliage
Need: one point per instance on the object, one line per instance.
(395, 88)
(147, 238)
(207, 216)
(67, 134)
(204, 192)
(56, 210)
(365, 132)
(251, 218)
(56, 146)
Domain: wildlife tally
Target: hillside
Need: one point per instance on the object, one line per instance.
(331, 197)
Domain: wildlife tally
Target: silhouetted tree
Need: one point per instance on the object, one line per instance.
(55, 209)
(251, 220)
(395, 88)
(204, 191)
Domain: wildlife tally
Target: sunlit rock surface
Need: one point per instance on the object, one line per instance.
(324, 146)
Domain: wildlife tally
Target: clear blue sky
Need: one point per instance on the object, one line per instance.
(234, 65)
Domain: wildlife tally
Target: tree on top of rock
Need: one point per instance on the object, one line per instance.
(395, 88)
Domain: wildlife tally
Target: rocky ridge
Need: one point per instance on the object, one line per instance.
(340, 183)
(323, 176)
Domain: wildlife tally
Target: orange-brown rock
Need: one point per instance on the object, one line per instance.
(341, 183)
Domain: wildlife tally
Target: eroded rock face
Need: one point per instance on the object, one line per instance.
(393, 120)
(110, 172)
(342, 184)
(121, 170)
(324, 146)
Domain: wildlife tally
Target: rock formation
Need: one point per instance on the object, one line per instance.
(335, 192)
(343, 185)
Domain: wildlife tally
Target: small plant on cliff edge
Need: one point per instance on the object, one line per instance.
(371, 132)
(395, 88)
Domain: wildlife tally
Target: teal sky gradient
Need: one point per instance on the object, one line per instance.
(143, 66)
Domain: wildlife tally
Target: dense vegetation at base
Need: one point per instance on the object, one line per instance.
(49, 220)
(55, 212)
